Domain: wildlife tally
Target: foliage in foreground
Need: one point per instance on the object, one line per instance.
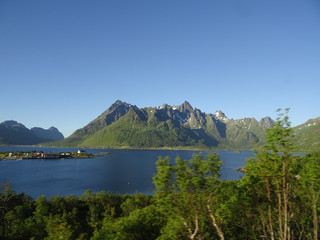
(278, 198)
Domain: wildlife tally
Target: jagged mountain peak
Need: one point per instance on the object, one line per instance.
(267, 122)
(219, 115)
(118, 104)
(184, 107)
(109, 116)
(164, 106)
(187, 106)
(119, 108)
(125, 125)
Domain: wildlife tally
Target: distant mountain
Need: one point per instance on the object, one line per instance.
(14, 133)
(125, 125)
(52, 133)
(307, 135)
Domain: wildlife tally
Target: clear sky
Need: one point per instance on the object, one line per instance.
(62, 63)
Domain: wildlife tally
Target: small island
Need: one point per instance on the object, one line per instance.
(20, 155)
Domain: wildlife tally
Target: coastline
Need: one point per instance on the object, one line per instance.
(179, 148)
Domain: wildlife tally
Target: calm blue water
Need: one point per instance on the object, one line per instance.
(126, 171)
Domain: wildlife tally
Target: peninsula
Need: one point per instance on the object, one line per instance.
(20, 155)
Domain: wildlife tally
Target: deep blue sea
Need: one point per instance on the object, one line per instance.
(125, 171)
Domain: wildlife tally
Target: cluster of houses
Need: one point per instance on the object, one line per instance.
(50, 155)
(45, 155)
(55, 155)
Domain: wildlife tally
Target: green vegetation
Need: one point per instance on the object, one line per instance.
(278, 198)
(132, 131)
(162, 128)
(180, 127)
(307, 135)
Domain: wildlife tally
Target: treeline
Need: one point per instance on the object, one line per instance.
(278, 198)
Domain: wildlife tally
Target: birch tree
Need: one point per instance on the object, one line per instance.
(185, 190)
(270, 180)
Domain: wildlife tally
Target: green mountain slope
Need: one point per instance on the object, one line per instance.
(244, 133)
(111, 115)
(142, 129)
(307, 135)
(126, 126)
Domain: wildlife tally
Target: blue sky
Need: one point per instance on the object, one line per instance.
(62, 63)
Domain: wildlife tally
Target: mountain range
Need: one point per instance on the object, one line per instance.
(14, 133)
(126, 126)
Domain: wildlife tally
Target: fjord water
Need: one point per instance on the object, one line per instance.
(125, 171)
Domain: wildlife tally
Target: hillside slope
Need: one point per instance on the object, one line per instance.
(307, 135)
(126, 126)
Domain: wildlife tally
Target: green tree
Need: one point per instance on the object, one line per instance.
(58, 228)
(22, 208)
(270, 179)
(100, 206)
(7, 203)
(134, 202)
(163, 178)
(309, 178)
(185, 190)
(140, 224)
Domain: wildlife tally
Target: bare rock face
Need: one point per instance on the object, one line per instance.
(267, 122)
(221, 116)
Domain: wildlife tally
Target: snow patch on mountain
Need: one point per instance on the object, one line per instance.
(221, 116)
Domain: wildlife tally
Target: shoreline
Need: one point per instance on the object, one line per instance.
(154, 148)
(29, 155)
